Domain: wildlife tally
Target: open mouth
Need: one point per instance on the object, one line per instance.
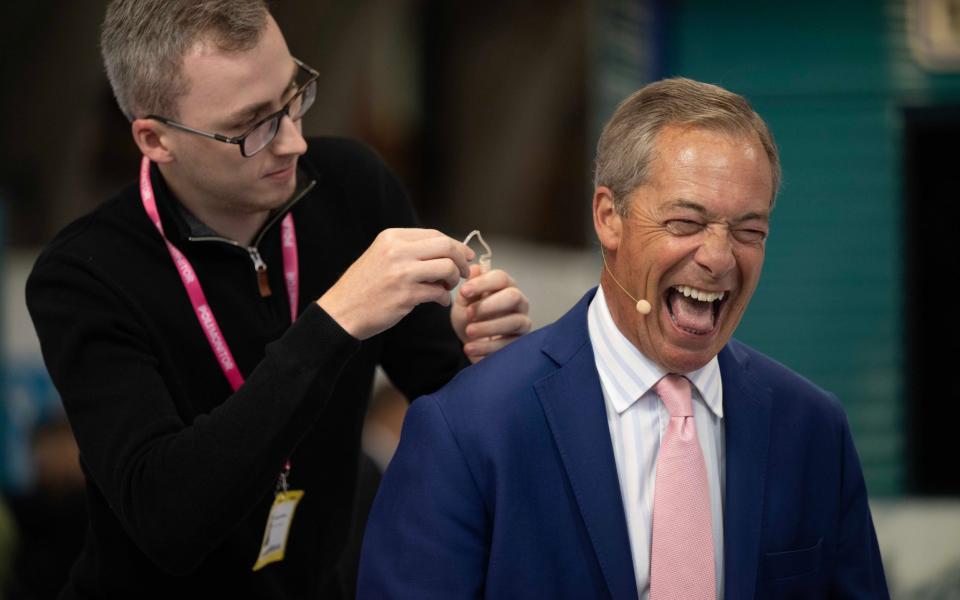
(693, 310)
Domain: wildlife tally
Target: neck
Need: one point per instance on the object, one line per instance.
(239, 226)
(618, 307)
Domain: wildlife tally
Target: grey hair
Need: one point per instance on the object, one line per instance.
(143, 43)
(626, 147)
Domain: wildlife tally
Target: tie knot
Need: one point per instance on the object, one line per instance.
(674, 390)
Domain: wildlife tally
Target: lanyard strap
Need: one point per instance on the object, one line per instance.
(191, 284)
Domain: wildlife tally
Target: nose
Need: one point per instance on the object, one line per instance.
(715, 254)
(289, 139)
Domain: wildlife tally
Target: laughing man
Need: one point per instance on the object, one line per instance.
(633, 449)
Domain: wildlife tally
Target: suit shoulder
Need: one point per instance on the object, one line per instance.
(492, 408)
(500, 381)
(789, 388)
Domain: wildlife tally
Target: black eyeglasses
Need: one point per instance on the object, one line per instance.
(262, 133)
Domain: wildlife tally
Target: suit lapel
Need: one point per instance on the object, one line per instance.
(573, 403)
(747, 430)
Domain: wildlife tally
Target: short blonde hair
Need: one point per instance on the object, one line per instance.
(626, 146)
(143, 43)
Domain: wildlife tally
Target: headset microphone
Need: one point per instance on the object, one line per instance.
(643, 307)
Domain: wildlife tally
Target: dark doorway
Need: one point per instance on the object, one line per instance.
(932, 215)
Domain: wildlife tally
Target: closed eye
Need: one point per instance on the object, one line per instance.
(749, 236)
(683, 227)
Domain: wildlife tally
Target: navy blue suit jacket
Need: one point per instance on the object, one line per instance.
(505, 486)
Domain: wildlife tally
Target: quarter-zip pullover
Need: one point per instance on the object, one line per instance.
(180, 470)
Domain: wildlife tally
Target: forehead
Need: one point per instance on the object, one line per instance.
(729, 173)
(220, 82)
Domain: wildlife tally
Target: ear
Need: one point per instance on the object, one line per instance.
(151, 137)
(606, 220)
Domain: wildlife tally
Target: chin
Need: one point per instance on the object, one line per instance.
(284, 187)
(685, 360)
(274, 197)
(687, 364)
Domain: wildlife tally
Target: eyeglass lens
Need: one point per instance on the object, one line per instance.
(258, 139)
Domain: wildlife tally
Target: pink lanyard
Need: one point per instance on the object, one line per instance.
(190, 282)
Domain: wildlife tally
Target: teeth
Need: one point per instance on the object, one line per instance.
(700, 295)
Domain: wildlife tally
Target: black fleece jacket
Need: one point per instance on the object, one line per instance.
(180, 470)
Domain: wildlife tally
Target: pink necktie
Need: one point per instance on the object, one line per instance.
(681, 561)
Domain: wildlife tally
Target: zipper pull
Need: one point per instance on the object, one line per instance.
(261, 268)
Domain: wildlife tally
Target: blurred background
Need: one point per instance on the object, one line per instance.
(489, 113)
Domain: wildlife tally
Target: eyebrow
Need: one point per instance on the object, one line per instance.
(702, 210)
(248, 112)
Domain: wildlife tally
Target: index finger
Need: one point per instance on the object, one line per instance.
(442, 246)
(487, 283)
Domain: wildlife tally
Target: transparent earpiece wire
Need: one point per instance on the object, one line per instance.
(484, 260)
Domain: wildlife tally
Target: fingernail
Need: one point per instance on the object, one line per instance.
(467, 290)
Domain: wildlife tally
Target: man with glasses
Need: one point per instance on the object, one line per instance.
(214, 329)
(263, 131)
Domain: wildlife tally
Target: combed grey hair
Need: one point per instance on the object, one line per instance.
(143, 43)
(627, 145)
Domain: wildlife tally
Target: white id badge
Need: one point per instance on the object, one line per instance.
(278, 528)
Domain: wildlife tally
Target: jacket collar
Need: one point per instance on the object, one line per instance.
(186, 227)
(572, 401)
(747, 404)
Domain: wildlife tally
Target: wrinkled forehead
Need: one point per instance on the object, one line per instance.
(708, 136)
(724, 174)
(709, 152)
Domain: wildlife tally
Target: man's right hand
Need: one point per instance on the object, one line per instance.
(401, 269)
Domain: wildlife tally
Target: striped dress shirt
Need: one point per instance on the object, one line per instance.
(638, 420)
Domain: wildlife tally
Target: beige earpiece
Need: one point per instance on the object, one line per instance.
(643, 307)
(484, 259)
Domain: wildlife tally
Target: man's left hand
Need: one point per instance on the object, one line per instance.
(489, 312)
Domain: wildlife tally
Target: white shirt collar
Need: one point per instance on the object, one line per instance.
(627, 374)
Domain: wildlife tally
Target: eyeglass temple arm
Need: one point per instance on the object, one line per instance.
(313, 72)
(207, 134)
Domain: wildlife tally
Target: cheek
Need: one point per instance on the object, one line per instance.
(669, 252)
(213, 158)
(750, 261)
(236, 170)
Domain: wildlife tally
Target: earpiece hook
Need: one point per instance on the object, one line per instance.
(484, 260)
